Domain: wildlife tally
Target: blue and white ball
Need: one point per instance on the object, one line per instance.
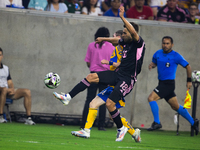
(52, 80)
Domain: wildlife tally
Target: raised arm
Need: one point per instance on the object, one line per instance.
(129, 27)
(113, 40)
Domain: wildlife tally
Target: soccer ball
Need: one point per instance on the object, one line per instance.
(52, 80)
(196, 76)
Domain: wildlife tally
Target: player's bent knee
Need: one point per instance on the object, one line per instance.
(174, 108)
(92, 77)
(4, 90)
(27, 92)
(110, 104)
(93, 105)
(150, 99)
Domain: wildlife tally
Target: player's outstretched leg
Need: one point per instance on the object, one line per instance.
(65, 98)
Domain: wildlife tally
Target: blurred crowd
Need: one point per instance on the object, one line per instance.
(186, 11)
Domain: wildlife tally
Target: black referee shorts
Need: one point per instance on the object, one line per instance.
(123, 84)
(165, 89)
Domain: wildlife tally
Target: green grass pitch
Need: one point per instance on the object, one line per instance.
(17, 136)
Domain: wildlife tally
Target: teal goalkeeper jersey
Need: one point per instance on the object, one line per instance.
(167, 64)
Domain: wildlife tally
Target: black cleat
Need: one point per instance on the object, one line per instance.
(196, 126)
(154, 126)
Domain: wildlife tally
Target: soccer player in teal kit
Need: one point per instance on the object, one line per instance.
(166, 60)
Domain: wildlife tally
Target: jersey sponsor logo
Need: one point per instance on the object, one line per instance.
(124, 53)
(167, 64)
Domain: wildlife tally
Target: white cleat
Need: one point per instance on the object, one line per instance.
(84, 133)
(2, 120)
(121, 133)
(64, 98)
(29, 122)
(136, 136)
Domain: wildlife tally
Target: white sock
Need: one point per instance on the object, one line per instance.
(87, 130)
(121, 128)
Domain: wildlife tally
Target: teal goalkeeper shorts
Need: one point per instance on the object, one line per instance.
(105, 94)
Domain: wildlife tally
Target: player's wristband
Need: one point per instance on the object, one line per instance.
(189, 80)
(110, 63)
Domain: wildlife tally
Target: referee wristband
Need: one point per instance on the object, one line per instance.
(189, 80)
(110, 63)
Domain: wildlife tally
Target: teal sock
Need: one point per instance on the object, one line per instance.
(155, 111)
(184, 113)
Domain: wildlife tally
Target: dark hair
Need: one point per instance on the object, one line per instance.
(119, 33)
(167, 37)
(1, 50)
(50, 2)
(101, 32)
(135, 26)
(86, 3)
(193, 4)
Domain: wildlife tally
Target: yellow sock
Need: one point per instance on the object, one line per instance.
(92, 114)
(127, 124)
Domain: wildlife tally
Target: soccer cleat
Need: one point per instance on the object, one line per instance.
(136, 136)
(121, 133)
(29, 122)
(84, 133)
(154, 126)
(2, 120)
(64, 98)
(196, 126)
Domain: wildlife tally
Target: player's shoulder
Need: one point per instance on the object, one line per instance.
(91, 44)
(140, 38)
(159, 51)
(174, 52)
(140, 41)
(5, 66)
